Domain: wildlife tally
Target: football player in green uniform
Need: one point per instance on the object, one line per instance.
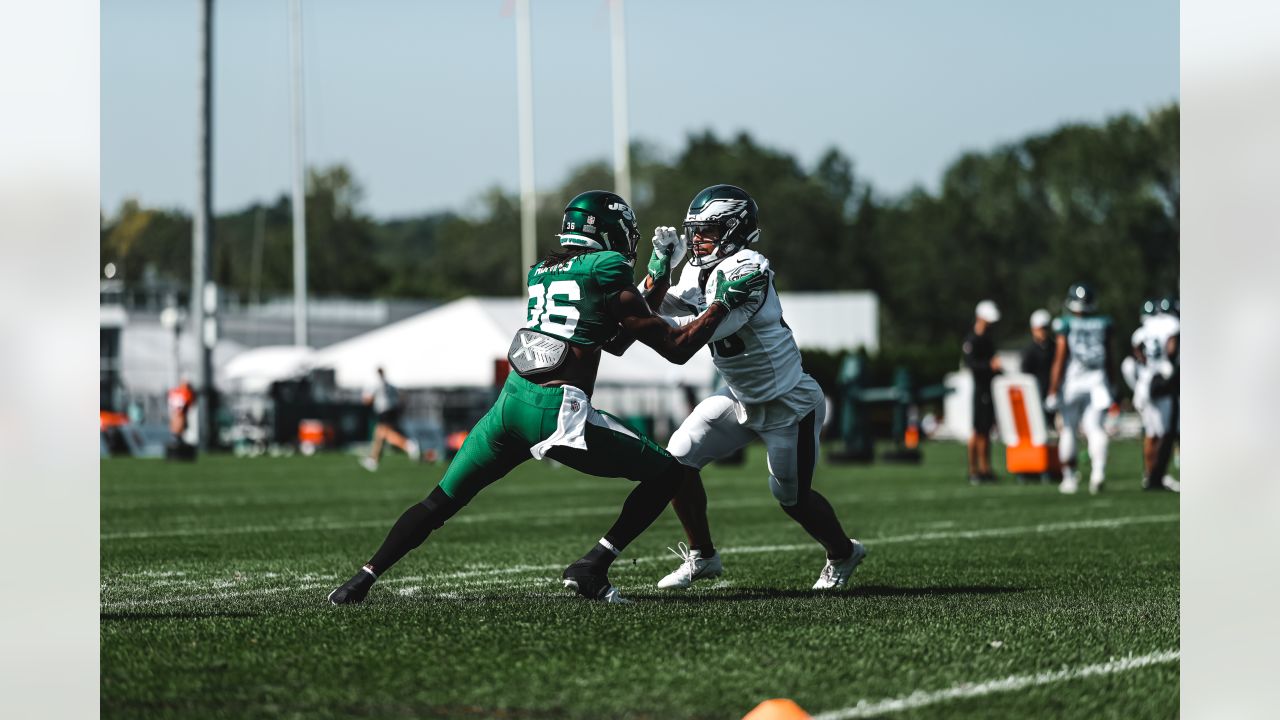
(580, 298)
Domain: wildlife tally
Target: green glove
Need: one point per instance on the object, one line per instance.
(740, 290)
(668, 251)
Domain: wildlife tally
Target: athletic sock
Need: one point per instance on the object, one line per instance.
(818, 518)
(601, 556)
(412, 529)
(644, 505)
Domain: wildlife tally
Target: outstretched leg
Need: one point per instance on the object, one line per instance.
(690, 504)
(486, 456)
(793, 454)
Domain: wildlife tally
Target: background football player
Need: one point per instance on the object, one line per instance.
(767, 395)
(1080, 385)
(1155, 350)
(579, 298)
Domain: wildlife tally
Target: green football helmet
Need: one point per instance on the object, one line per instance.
(1149, 307)
(726, 214)
(602, 220)
(1080, 299)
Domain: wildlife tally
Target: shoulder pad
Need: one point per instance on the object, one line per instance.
(746, 259)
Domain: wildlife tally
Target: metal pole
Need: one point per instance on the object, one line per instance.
(524, 76)
(621, 141)
(299, 183)
(204, 313)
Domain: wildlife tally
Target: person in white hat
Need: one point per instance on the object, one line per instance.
(980, 357)
(1037, 361)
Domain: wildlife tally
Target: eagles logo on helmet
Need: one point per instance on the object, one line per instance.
(724, 215)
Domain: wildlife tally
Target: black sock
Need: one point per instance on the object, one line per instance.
(601, 557)
(412, 529)
(644, 505)
(818, 518)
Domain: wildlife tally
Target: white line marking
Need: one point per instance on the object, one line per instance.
(494, 575)
(922, 698)
(537, 514)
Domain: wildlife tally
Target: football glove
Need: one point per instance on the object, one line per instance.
(741, 290)
(668, 252)
(1051, 403)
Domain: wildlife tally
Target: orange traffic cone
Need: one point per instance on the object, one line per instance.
(777, 709)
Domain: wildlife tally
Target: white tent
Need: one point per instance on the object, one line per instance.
(147, 362)
(252, 371)
(456, 345)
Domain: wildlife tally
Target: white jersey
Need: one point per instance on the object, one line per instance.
(385, 396)
(1086, 347)
(752, 347)
(1153, 336)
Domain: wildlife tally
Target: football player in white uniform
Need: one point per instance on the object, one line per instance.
(1080, 385)
(1154, 344)
(767, 395)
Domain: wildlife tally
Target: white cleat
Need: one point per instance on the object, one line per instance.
(1068, 486)
(369, 464)
(836, 572)
(613, 596)
(1095, 486)
(413, 449)
(692, 567)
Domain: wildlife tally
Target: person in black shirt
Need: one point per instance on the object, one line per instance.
(1037, 356)
(1037, 361)
(980, 358)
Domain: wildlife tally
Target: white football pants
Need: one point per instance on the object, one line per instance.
(1085, 400)
(712, 431)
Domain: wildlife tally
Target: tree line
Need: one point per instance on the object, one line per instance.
(1018, 223)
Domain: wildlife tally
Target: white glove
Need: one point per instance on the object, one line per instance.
(668, 252)
(1051, 403)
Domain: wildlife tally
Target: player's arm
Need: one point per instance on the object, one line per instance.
(668, 252)
(681, 342)
(1059, 362)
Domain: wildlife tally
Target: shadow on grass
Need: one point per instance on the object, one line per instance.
(186, 615)
(745, 595)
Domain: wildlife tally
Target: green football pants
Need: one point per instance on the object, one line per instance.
(526, 414)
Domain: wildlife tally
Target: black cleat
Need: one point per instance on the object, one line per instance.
(353, 590)
(591, 584)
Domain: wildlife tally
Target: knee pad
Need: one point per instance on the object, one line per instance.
(787, 494)
(440, 507)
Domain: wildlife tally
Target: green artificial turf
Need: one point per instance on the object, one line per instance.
(214, 577)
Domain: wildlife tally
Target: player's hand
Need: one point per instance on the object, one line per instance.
(1051, 402)
(741, 290)
(668, 252)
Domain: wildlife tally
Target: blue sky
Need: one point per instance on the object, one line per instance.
(419, 98)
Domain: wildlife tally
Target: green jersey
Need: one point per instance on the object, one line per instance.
(569, 299)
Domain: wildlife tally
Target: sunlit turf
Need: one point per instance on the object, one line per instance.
(214, 577)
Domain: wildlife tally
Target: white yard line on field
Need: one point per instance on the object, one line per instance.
(537, 514)
(922, 698)
(491, 575)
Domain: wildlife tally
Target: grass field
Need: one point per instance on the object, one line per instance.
(988, 602)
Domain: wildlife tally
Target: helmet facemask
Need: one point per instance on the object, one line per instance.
(728, 217)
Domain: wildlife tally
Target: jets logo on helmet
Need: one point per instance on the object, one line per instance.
(601, 220)
(724, 215)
